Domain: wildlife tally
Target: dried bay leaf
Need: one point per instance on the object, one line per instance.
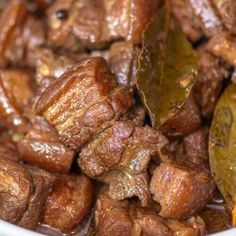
(167, 68)
(222, 147)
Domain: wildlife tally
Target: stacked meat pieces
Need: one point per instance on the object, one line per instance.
(75, 138)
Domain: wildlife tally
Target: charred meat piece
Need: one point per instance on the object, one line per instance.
(42, 182)
(123, 62)
(181, 189)
(20, 32)
(210, 21)
(83, 102)
(227, 11)
(15, 190)
(209, 83)
(92, 22)
(68, 203)
(185, 121)
(41, 147)
(120, 156)
(189, 22)
(123, 218)
(15, 92)
(224, 46)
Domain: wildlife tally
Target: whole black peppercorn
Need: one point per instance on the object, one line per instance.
(62, 14)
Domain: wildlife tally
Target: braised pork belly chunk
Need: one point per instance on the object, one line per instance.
(42, 186)
(21, 32)
(24, 190)
(124, 218)
(208, 86)
(68, 203)
(185, 121)
(181, 189)
(117, 117)
(41, 147)
(120, 156)
(83, 102)
(16, 89)
(188, 21)
(96, 23)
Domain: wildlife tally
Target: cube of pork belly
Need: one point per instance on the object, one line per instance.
(227, 11)
(207, 89)
(83, 102)
(41, 147)
(92, 22)
(15, 92)
(20, 33)
(224, 46)
(211, 23)
(42, 182)
(196, 147)
(124, 218)
(186, 120)
(120, 156)
(181, 189)
(68, 203)
(16, 187)
(189, 22)
(123, 63)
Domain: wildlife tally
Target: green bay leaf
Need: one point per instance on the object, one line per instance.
(222, 146)
(167, 68)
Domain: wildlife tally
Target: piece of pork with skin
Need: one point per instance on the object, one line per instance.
(92, 22)
(189, 22)
(21, 32)
(15, 190)
(196, 147)
(207, 89)
(50, 65)
(123, 63)
(41, 147)
(181, 188)
(123, 218)
(68, 203)
(24, 190)
(42, 182)
(16, 89)
(83, 102)
(120, 155)
(211, 23)
(227, 12)
(192, 148)
(224, 46)
(185, 121)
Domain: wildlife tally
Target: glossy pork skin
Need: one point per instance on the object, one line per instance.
(41, 147)
(83, 102)
(182, 189)
(124, 218)
(68, 203)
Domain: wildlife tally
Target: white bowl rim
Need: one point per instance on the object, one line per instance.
(7, 229)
